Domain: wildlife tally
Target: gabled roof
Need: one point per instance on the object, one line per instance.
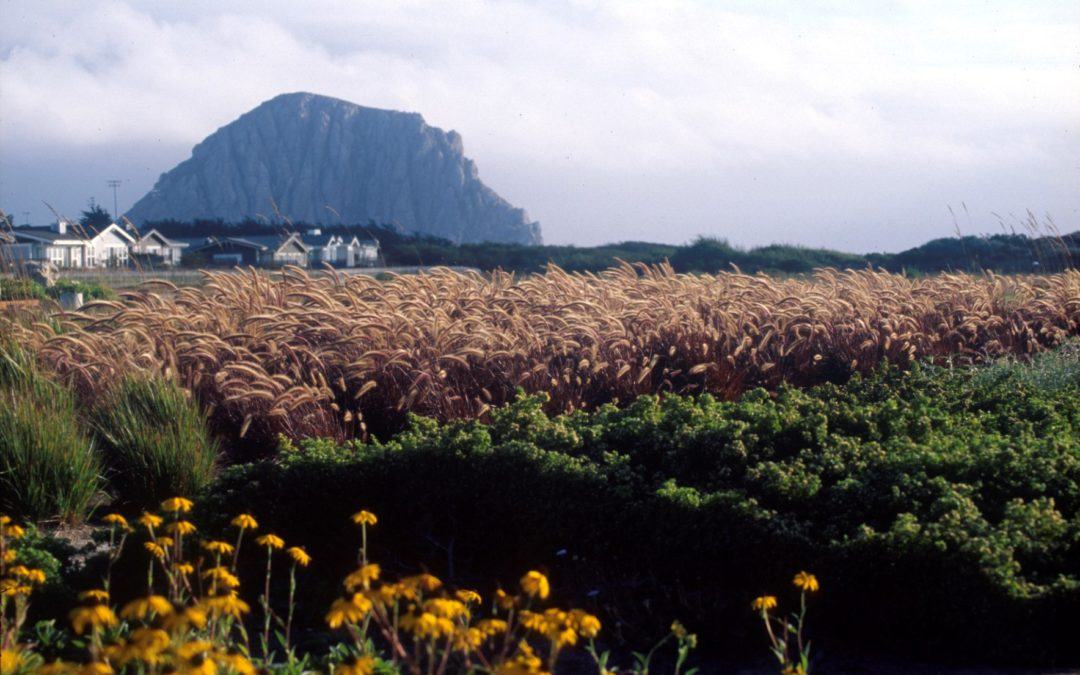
(318, 240)
(261, 242)
(165, 241)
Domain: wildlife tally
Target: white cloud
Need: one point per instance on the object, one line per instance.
(603, 119)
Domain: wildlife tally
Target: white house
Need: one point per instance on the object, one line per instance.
(68, 245)
(155, 244)
(340, 251)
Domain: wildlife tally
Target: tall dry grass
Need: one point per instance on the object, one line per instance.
(322, 354)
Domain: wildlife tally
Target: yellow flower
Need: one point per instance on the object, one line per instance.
(764, 603)
(361, 665)
(299, 556)
(12, 531)
(148, 643)
(190, 650)
(165, 541)
(95, 594)
(524, 661)
(491, 627)
(9, 659)
(218, 547)
(95, 668)
(150, 520)
(270, 541)
(116, 519)
(505, 600)
(364, 518)
(12, 587)
(181, 528)
(566, 636)
(185, 568)
(188, 617)
(793, 670)
(362, 577)
(427, 625)
(469, 639)
(389, 593)
(177, 504)
(155, 550)
(535, 584)
(93, 617)
(585, 624)
(144, 608)
(34, 576)
(352, 610)
(229, 604)
(9, 556)
(222, 577)
(533, 621)
(469, 597)
(806, 581)
(245, 522)
(234, 663)
(446, 608)
(424, 582)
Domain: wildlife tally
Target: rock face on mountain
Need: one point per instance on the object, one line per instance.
(309, 154)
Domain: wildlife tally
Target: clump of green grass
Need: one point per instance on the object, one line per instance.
(1057, 370)
(48, 467)
(155, 440)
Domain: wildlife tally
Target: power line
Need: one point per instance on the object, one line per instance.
(114, 183)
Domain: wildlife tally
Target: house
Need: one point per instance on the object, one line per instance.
(259, 250)
(157, 246)
(364, 252)
(339, 250)
(69, 245)
(323, 248)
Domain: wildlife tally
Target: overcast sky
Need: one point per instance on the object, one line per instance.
(807, 122)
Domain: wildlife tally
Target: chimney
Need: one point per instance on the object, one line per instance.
(61, 226)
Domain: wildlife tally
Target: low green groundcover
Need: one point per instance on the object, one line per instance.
(939, 507)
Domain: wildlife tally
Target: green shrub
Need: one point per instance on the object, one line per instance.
(940, 508)
(21, 289)
(91, 290)
(155, 440)
(48, 467)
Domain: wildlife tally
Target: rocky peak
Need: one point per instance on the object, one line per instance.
(315, 157)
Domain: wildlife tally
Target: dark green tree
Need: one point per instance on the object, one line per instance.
(95, 217)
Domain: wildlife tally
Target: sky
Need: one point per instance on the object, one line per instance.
(870, 126)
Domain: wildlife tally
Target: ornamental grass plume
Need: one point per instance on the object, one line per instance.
(312, 354)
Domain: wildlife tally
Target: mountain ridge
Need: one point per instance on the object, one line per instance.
(317, 159)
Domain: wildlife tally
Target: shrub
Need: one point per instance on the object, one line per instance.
(48, 468)
(91, 290)
(20, 289)
(946, 504)
(155, 440)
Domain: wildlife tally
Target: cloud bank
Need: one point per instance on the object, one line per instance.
(808, 122)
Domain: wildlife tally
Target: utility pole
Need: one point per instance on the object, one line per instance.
(114, 183)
